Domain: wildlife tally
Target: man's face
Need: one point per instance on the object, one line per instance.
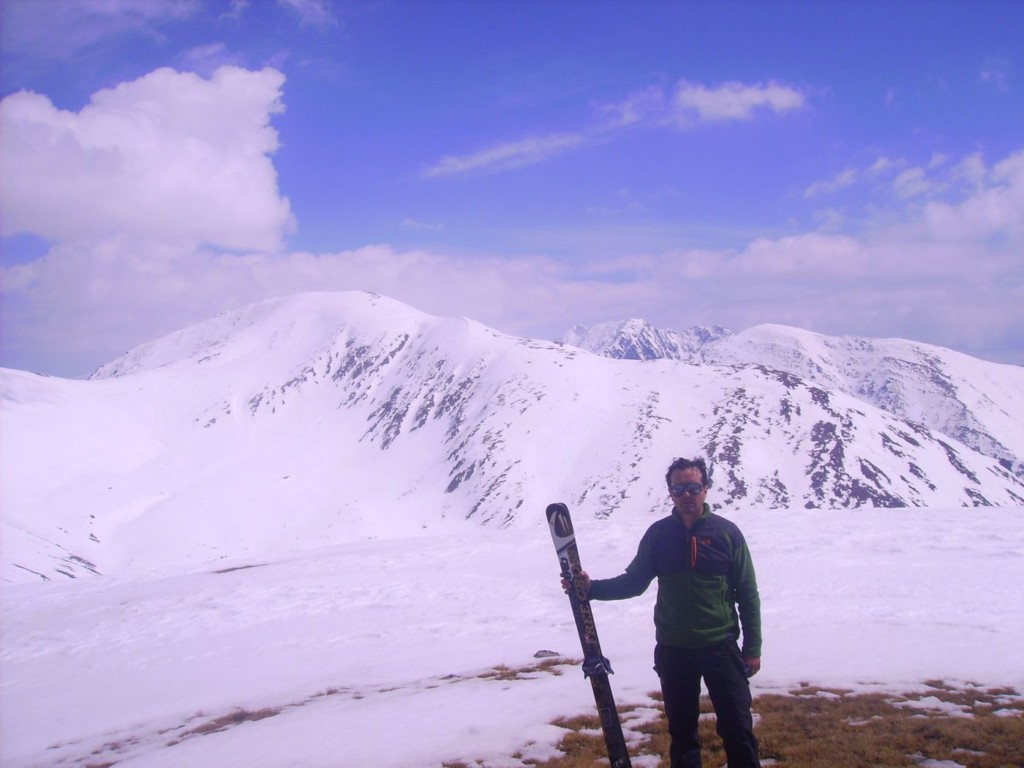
(689, 506)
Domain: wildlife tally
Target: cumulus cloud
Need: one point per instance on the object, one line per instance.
(162, 198)
(995, 211)
(941, 195)
(170, 157)
(946, 273)
(965, 204)
(90, 303)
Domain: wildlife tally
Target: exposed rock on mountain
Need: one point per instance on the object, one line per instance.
(969, 400)
(321, 418)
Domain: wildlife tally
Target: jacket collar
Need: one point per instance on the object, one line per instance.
(705, 513)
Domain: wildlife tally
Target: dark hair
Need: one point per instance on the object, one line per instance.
(689, 464)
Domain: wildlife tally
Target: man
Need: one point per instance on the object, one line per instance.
(704, 573)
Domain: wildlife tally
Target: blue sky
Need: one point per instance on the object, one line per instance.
(849, 168)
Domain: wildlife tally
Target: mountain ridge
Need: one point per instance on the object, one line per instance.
(321, 418)
(973, 401)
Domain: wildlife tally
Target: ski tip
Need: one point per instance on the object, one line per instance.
(559, 521)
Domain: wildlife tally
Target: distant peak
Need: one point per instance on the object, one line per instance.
(638, 339)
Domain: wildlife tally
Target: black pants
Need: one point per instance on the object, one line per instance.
(721, 666)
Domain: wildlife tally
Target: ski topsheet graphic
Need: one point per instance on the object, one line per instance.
(595, 666)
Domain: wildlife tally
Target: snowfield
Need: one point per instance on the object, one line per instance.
(381, 652)
(311, 532)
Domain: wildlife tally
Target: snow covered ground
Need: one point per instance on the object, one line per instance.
(381, 652)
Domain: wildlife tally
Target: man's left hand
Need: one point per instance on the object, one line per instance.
(753, 663)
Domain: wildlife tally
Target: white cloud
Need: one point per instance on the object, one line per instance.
(994, 212)
(733, 100)
(802, 256)
(637, 107)
(852, 176)
(912, 182)
(61, 30)
(994, 74)
(314, 12)
(946, 273)
(940, 178)
(421, 226)
(647, 106)
(880, 166)
(207, 59)
(170, 157)
(841, 180)
(133, 185)
(971, 170)
(513, 154)
(849, 177)
(237, 9)
(87, 304)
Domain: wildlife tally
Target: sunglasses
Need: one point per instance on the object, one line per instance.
(691, 489)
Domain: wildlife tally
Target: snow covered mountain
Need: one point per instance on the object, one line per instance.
(973, 401)
(325, 418)
(639, 340)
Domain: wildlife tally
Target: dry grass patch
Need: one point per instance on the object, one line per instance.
(583, 745)
(502, 672)
(977, 728)
(812, 727)
(222, 723)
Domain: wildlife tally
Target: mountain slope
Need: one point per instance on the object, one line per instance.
(978, 403)
(639, 340)
(323, 418)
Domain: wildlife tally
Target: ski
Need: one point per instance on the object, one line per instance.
(595, 666)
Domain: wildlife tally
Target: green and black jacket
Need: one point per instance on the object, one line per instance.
(703, 575)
